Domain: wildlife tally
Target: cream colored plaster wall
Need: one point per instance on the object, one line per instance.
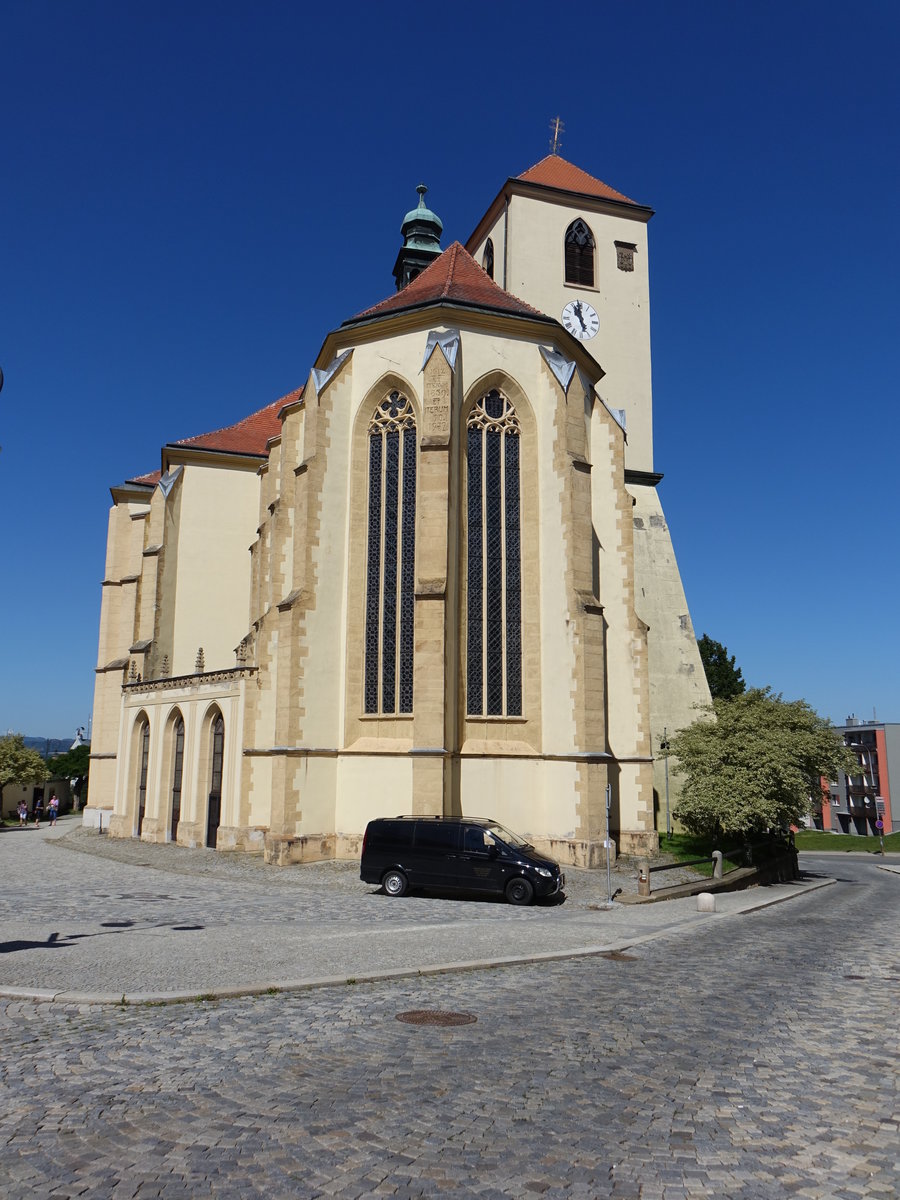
(677, 679)
(218, 523)
(313, 782)
(369, 787)
(616, 589)
(325, 622)
(124, 550)
(532, 797)
(260, 790)
(536, 274)
(557, 626)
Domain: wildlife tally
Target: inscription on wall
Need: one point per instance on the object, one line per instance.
(436, 422)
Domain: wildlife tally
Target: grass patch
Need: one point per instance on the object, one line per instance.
(685, 846)
(817, 839)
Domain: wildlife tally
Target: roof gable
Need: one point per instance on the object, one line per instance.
(457, 278)
(556, 172)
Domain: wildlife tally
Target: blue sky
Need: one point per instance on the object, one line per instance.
(192, 195)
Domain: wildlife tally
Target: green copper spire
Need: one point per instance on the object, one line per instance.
(421, 231)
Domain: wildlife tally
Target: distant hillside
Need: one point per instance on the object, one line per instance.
(49, 746)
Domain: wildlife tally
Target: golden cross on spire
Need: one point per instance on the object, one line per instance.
(557, 128)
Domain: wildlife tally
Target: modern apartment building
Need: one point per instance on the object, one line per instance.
(858, 803)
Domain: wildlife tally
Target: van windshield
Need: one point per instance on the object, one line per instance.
(506, 835)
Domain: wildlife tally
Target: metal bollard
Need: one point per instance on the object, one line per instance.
(644, 879)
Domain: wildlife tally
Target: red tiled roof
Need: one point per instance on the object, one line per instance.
(152, 478)
(249, 436)
(454, 276)
(555, 172)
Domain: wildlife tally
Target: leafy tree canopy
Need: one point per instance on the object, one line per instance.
(724, 678)
(71, 765)
(753, 762)
(18, 764)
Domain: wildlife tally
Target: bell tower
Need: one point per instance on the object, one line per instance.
(577, 249)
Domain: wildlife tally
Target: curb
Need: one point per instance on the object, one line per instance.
(277, 987)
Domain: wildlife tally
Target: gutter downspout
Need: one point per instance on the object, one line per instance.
(505, 241)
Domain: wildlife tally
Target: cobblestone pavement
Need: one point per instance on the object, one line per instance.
(753, 1057)
(122, 916)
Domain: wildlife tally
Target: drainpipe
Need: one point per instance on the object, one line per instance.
(505, 240)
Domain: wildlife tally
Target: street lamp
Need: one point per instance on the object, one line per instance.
(664, 747)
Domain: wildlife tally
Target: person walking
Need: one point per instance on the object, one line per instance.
(53, 808)
(38, 811)
(22, 810)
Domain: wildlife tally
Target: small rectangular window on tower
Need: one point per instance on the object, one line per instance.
(625, 255)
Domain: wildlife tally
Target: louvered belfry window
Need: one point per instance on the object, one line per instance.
(579, 254)
(493, 560)
(390, 568)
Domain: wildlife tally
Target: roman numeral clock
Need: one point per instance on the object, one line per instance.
(581, 320)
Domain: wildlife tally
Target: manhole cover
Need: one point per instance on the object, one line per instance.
(436, 1016)
(619, 956)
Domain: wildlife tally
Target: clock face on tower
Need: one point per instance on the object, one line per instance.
(581, 319)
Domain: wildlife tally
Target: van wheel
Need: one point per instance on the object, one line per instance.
(519, 891)
(394, 883)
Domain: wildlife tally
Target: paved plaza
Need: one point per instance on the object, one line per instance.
(748, 1054)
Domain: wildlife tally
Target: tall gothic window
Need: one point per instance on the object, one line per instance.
(217, 762)
(143, 772)
(390, 568)
(579, 254)
(494, 578)
(177, 772)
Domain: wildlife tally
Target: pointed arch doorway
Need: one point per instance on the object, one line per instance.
(214, 807)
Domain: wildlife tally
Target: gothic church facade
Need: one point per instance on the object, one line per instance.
(443, 579)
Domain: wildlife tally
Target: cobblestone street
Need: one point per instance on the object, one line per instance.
(749, 1057)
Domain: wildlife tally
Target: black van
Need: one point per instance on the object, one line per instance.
(471, 854)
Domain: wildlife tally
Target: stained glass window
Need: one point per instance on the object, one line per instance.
(493, 560)
(390, 566)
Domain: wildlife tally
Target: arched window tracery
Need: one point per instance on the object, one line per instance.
(493, 559)
(390, 565)
(579, 254)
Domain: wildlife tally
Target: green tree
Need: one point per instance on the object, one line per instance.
(18, 764)
(724, 678)
(754, 762)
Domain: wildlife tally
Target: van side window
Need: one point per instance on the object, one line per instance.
(390, 833)
(436, 835)
(473, 840)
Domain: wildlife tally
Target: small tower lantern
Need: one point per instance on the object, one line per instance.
(421, 231)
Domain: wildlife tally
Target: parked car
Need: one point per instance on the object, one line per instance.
(471, 854)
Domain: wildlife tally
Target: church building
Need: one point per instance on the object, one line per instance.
(444, 580)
